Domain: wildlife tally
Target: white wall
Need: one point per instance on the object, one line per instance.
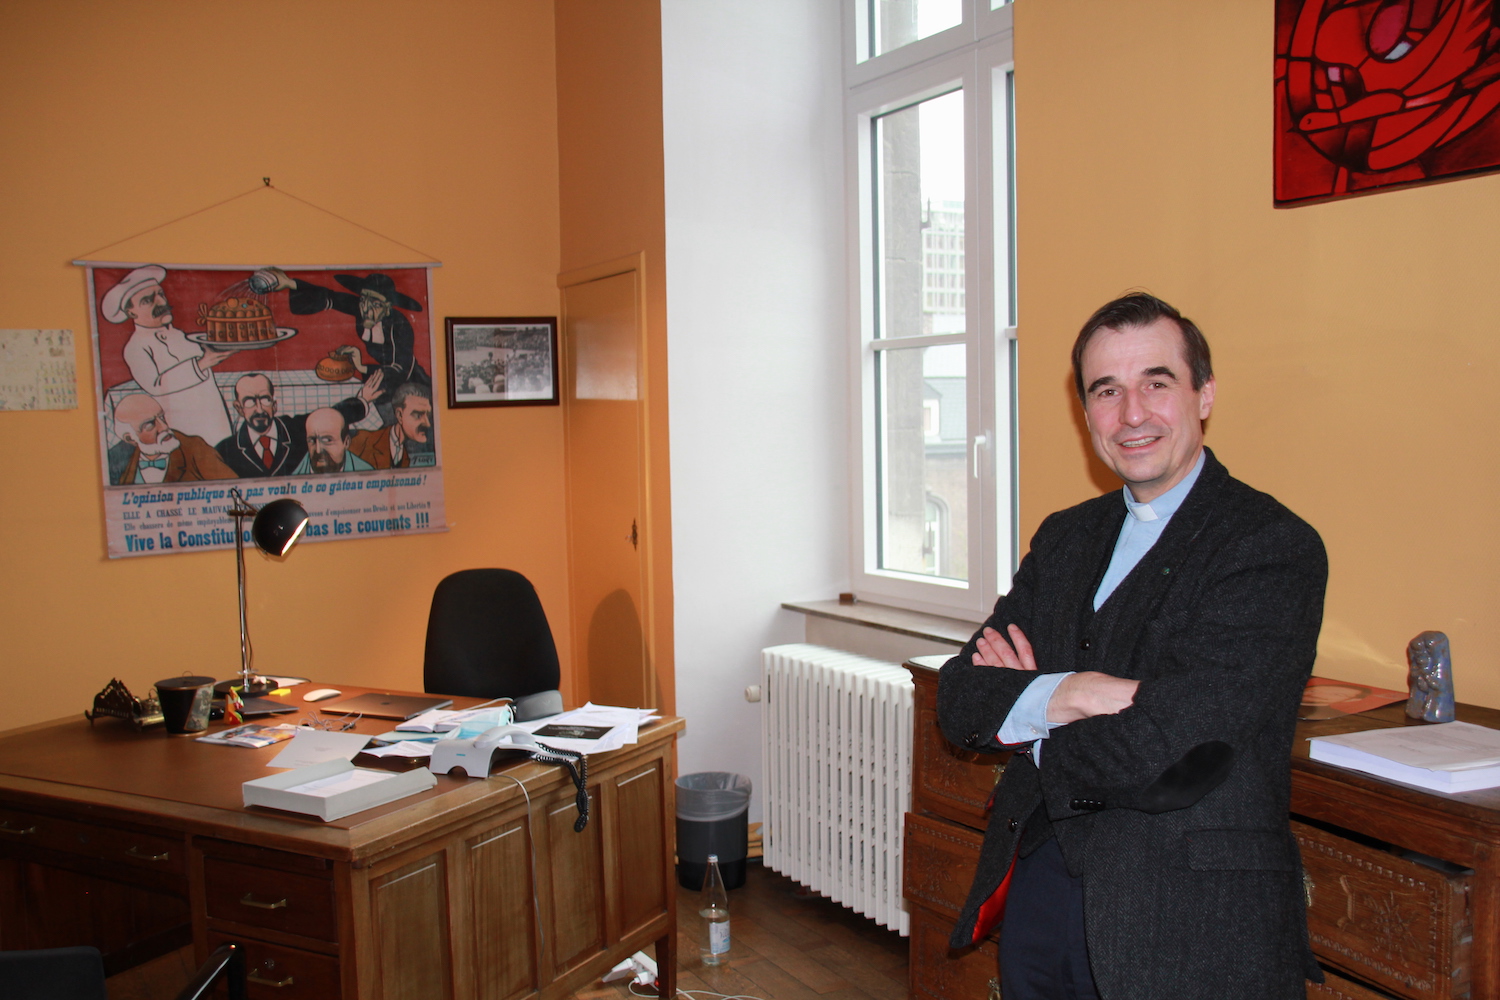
(757, 348)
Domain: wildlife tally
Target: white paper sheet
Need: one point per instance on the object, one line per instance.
(439, 720)
(313, 746)
(1449, 746)
(405, 748)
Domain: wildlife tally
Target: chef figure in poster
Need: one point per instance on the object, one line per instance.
(163, 362)
(383, 328)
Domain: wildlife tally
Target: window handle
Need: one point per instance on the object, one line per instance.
(981, 441)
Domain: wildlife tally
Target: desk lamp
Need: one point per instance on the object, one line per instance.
(275, 529)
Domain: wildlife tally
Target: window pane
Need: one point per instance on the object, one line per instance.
(919, 218)
(924, 483)
(894, 23)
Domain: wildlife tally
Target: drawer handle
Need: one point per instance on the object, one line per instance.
(16, 831)
(136, 852)
(995, 989)
(250, 900)
(255, 977)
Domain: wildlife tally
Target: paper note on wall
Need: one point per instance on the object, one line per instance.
(37, 370)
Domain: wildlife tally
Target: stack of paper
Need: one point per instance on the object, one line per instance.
(592, 728)
(439, 720)
(1449, 757)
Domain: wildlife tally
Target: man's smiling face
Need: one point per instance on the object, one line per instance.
(1144, 415)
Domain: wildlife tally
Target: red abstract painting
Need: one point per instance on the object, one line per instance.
(1374, 94)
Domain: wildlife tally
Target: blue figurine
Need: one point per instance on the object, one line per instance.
(1430, 664)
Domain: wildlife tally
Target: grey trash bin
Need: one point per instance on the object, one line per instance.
(713, 817)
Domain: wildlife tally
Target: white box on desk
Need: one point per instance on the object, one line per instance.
(283, 791)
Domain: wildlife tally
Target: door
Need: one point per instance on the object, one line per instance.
(602, 333)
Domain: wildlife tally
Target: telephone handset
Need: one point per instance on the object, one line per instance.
(512, 735)
(577, 764)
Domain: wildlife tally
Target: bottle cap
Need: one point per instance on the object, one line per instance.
(713, 859)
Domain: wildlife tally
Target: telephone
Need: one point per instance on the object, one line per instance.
(474, 757)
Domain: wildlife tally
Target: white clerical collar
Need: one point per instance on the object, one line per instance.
(1165, 505)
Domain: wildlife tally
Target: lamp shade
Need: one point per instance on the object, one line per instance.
(278, 525)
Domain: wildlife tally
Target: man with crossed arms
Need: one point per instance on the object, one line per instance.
(1146, 667)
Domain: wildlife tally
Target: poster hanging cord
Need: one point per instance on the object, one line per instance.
(265, 183)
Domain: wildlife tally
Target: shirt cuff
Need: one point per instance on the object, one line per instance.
(1027, 720)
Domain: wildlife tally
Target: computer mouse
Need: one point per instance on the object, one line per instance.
(321, 694)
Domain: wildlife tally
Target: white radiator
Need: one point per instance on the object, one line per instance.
(836, 746)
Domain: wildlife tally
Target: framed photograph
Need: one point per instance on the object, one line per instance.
(502, 361)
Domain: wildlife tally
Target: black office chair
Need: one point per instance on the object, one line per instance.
(487, 637)
(78, 974)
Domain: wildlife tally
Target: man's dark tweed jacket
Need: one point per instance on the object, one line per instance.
(1219, 622)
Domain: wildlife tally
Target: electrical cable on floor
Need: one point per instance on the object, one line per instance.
(695, 994)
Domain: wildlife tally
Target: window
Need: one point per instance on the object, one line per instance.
(927, 102)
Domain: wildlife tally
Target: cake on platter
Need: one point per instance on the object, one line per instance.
(236, 320)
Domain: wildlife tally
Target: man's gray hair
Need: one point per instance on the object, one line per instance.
(406, 390)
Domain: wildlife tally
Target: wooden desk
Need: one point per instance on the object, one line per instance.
(1403, 885)
(138, 843)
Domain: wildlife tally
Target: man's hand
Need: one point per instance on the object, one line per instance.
(1090, 693)
(271, 279)
(210, 357)
(993, 651)
(352, 353)
(371, 388)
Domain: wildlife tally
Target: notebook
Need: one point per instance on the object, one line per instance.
(265, 706)
(384, 706)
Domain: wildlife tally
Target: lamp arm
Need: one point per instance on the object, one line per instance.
(239, 562)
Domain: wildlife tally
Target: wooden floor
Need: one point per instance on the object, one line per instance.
(785, 945)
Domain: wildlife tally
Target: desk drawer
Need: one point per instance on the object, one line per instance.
(948, 781)
(156, 852)
(266, 897)
(1401, 926)
(1336, 987)
(938, 859)
(939, 973)
(278, 973)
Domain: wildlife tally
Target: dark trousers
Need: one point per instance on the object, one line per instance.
(1043, 955)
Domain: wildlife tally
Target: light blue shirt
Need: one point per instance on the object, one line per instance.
(1027, 720)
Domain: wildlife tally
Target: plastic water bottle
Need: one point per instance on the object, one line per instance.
(714, 909)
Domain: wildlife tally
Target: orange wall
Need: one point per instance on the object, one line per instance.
(1355, 342)
(612, 205)
(434, 123)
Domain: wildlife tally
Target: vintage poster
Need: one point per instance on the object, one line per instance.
(311, 384)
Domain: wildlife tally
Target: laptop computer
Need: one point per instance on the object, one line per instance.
(385, 706)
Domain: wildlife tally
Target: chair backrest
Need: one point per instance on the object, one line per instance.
(52, 974)
(487, 637)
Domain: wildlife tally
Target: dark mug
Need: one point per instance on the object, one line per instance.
(185, 703)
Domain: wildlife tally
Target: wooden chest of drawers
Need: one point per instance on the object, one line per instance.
(1401, 883)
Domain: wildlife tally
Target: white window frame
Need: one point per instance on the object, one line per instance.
(975, 56)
